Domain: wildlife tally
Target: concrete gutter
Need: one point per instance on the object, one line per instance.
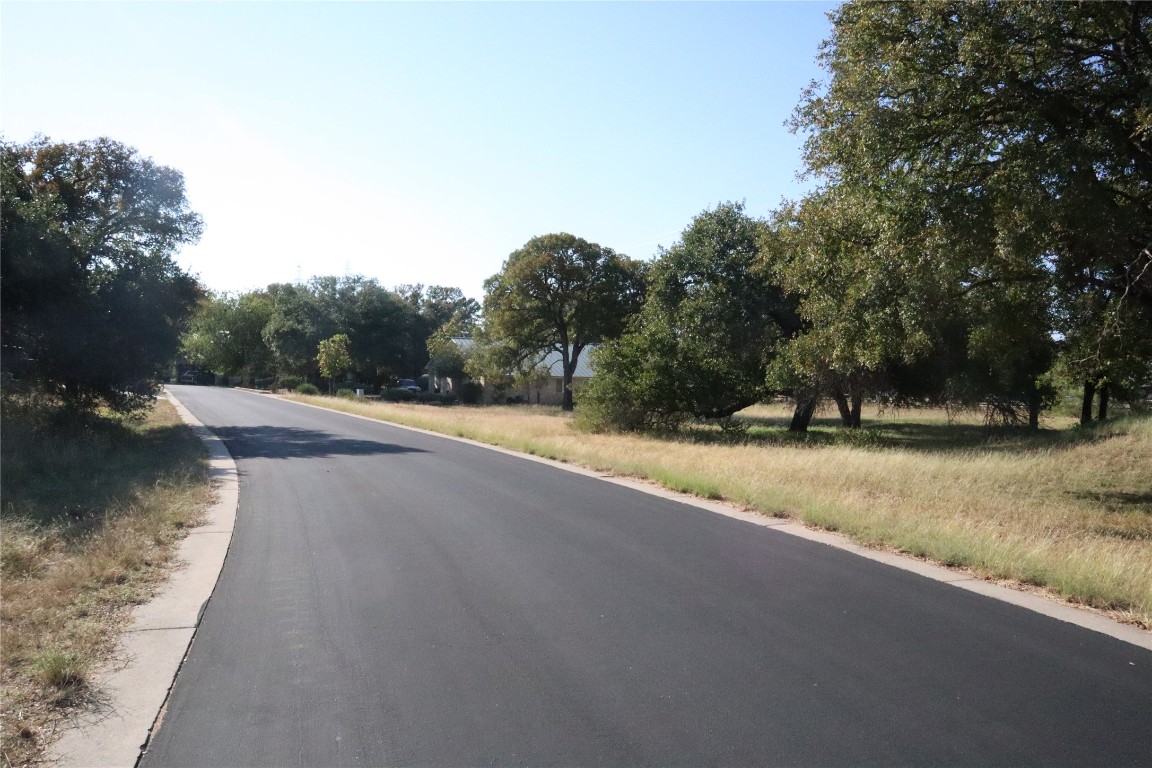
(134, 686)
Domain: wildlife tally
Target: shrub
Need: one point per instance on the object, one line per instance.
(636, 387)
(398, 395)
(306, 389)
(289, 383)
(347, 394)
(732, 428)
(265, 382)
(860, 438)
(436, 398)
(471, 392)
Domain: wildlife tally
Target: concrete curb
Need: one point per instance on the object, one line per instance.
(135, 686)
(1033, 602)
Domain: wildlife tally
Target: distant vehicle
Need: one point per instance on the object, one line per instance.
(189, 377)
(409, 385)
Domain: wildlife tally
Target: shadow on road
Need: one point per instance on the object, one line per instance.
(293, 443)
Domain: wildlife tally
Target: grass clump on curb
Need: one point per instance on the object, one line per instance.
(92, 510)
(1066, 510)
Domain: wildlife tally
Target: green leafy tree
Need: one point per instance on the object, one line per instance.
(383, 328)
(92, 304)
(294, 329)
(435, 307)
(438, 305)
(1021, 133)
(562, 293)
(448, 356)
(334, 358)
(226, 335)
(710, 325)
(885, 316)
(867, 297)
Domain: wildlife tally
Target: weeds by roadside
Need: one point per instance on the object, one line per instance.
(91, 511)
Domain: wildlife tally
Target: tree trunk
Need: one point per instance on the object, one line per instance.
(569, 357)
(1034, 409)
(569, 370)
(1103, 402)
(843, 407)
(1086, 404)
(857, 406)
(802, 416)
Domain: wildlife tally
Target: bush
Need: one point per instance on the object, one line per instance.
(436, 398)
(347, 394)
(860, 438)
(471, 392)
(636, 387)
(289, 383)
(306, 389)
(265, 382)
(398, 395)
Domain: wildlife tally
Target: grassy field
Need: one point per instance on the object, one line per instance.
(92, 510)
(1065, 510)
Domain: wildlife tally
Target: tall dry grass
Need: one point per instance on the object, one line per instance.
(92, 511)
(1065, 510)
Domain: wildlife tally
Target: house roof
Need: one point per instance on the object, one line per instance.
(584, 370)
(552, 360)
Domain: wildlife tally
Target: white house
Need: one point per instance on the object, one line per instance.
(547, 388)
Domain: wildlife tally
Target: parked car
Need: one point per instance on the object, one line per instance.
(409, 385)
(189, 377)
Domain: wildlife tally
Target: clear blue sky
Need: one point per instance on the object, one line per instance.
(423, 142)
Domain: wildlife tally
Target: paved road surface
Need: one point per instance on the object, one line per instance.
(392, 598)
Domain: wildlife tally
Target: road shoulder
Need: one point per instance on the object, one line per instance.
(135, 685)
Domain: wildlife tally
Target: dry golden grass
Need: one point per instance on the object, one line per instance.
(1068, 510)
(91, 517)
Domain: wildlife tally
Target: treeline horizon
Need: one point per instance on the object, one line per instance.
(980, 234)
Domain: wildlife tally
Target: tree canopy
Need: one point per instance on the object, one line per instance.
(710, 324)
(333, 357)
(1011, 146)
(378, 322)
(279, 330)
(562, 293)
(226, 335)
(92, 301)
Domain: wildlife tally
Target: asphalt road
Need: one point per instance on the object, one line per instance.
(393, 598)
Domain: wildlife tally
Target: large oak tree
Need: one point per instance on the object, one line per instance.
(92, 301)
(559, 293)
(1020, 136)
